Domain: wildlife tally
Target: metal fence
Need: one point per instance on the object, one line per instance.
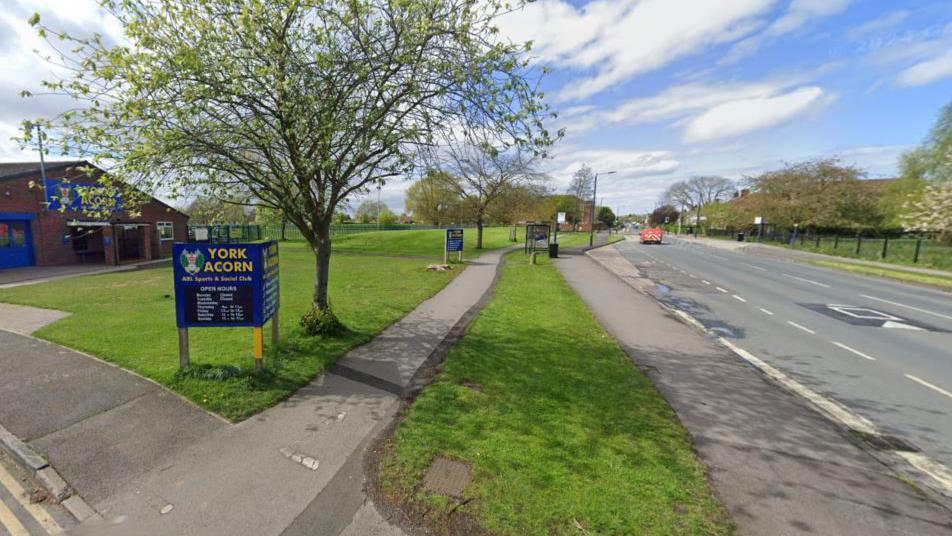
(899, 248)
(220, 234)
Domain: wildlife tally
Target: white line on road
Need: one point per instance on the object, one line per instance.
(829, 406)
(857, 352)
(724, 290)
(738, 298)
(935, 388)
(766, 312)
(897, 304)
(824, 285)
(692, 276)
(706, 282)
(798, 326)
(39, 514)
(761, 268)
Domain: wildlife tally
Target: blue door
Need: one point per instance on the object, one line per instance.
(16, 243)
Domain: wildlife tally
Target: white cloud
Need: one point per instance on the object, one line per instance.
(24, 69)
(692, 107)
(927, 71)
(742, 116)
(797, 15)
(888, 20)
(623, 163)
(619, 39)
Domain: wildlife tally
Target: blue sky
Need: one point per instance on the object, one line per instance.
(659, 90)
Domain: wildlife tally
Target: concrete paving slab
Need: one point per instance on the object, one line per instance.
(45, 387)
(25, 320)
(111, 447)
(237, 481)
(778, 466)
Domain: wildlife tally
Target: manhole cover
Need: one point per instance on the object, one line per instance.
(447, 477)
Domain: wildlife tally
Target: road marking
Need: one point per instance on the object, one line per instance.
(9, 522)
(706, 282)
(762, 269)
(935, 388)
(692, 276)
(724, 290)
(738, 298)
(832, 408)
(39, 514)
(766, 312)
(824, 285)
(798, 326)
(937, 471)
(897, 304)
(857, 352)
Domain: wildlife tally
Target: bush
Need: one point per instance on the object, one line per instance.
(321, 322)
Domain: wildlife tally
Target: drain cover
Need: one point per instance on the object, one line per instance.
(447, 477)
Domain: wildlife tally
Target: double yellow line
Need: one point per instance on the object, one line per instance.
(10, 521)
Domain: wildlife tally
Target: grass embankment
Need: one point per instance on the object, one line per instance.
(423, 243)
(566, 435)
(898, 275)
(571, 240)
(128, 318)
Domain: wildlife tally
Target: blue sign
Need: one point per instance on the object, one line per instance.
(454, 240)
(79, 197)
(218, 285)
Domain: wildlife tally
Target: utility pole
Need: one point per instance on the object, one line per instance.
(378, 207)
(39, 137)
(591, 231)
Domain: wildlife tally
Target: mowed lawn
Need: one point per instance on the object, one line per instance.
(128, 318)
(425, 243)
(563, 434)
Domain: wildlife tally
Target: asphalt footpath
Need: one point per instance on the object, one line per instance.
(297, 468)
(777, 465)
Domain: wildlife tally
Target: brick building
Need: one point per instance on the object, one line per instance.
(34, 232)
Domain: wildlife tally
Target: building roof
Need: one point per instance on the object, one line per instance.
(13, 170)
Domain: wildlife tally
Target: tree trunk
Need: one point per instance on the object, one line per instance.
(479, 233)
(322, 254)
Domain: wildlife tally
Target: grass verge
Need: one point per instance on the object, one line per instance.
(128, 318)
(898, 275)
(565, 436)
(422, 243)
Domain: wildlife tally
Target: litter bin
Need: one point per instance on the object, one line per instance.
(554, 250)
(741, 237)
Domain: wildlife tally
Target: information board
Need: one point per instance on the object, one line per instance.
(537, 237)
(454, 240)
(219, 285)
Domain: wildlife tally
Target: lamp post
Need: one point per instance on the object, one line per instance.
(591, 231)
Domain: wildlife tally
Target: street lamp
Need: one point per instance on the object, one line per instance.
(591, 231)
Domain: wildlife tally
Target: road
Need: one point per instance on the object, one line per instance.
(18, 515)
(882, 349)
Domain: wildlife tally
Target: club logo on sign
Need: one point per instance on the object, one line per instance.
(192, 261)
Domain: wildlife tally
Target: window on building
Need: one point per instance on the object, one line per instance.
(165, 230)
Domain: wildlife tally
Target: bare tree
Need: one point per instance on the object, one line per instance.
(581, 188)
(485, 171)
(697, 192)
